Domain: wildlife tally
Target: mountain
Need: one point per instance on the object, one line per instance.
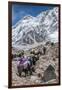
(31, 31)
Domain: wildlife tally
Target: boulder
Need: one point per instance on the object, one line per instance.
(49, 74)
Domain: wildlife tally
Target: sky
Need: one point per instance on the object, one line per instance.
(19, 11)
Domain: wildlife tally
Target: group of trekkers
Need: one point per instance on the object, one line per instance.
(26, 64)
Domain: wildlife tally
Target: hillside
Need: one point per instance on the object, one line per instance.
(50, 58)
(32, 31)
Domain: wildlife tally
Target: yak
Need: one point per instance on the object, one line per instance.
(26, 64)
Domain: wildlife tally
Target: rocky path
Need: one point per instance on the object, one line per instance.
(40, 67)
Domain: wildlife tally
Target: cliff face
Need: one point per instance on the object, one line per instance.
(32, 31)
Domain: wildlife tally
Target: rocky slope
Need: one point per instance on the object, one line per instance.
(32, 31)
(50, 58)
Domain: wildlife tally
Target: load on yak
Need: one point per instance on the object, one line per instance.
(26, 64)
(19, 54)
(39, 51)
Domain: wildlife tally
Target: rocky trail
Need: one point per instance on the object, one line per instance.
(50, 58)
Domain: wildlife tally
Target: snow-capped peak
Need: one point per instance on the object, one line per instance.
(35, 30)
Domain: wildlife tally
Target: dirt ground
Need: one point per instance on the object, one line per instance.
(40, 67)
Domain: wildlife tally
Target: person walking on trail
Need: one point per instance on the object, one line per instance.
(44, 50)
